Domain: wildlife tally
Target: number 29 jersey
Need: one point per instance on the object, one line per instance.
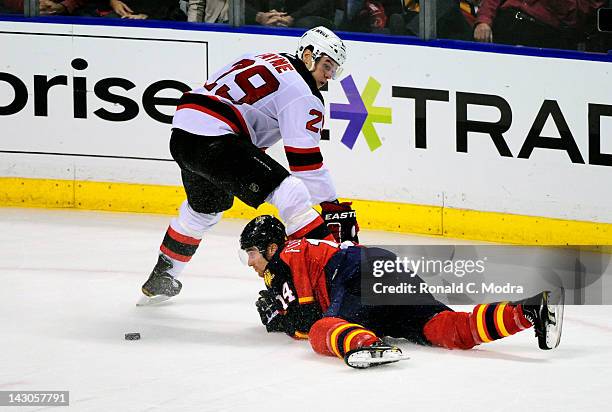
(264, 98)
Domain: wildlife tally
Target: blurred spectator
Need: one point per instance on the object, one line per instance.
(375, 15)
(48, 7)
(351, 9)
(469, 9)
(367, 15)
(120, 9)
(457, 19)
(208, 11)
(454, 19)
(5, 9)
(557, 24)
(290, 13)
(143, 9)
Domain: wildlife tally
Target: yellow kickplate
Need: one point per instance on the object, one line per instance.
(375, 215)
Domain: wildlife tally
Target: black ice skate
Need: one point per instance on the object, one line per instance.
(545, 312)
(374, 355)
(160, 286)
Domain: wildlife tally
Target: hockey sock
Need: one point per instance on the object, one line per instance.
(335, 336)
(184, 236)
(497, 320)
(179, 248)
(486, 323)
(293, 201)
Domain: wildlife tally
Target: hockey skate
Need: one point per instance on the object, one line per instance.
(160, 286)
(545, 312)
(374, 355)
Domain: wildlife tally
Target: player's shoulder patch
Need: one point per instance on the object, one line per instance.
(268, 278)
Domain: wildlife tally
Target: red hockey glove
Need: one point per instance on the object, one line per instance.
(341, 220)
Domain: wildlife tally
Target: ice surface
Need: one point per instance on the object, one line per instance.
(69, 281)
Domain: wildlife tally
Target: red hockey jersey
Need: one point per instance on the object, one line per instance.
(296, 276)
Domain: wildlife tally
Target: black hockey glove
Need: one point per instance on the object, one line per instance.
(341, 220)
(269, 312)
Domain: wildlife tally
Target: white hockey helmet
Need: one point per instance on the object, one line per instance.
(323, 41)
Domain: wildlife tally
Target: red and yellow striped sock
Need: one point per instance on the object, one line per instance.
(335, 336)
(494, 321)
(486, 323)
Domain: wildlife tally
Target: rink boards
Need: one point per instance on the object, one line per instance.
(500, 145)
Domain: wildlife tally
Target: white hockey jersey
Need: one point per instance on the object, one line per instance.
(265, 98)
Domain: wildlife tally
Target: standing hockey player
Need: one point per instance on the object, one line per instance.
(219, 134)
(314, 291)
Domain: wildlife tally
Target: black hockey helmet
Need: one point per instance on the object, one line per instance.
(262, 231)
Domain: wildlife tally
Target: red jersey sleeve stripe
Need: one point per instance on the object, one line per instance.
(210, 113)
(217, 108)
(245, 129)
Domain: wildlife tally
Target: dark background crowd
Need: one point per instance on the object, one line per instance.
(560, 24)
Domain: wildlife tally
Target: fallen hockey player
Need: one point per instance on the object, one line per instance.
(313, 292)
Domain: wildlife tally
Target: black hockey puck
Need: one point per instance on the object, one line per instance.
(132, 336)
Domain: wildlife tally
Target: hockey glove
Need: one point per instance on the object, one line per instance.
(271, 317)
(341, 220)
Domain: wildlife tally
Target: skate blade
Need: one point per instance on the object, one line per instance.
(555, 314)
(152, 300)
(364, 359)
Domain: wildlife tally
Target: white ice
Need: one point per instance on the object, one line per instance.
(69, 281)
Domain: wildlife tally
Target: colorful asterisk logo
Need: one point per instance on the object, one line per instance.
(360, 113)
